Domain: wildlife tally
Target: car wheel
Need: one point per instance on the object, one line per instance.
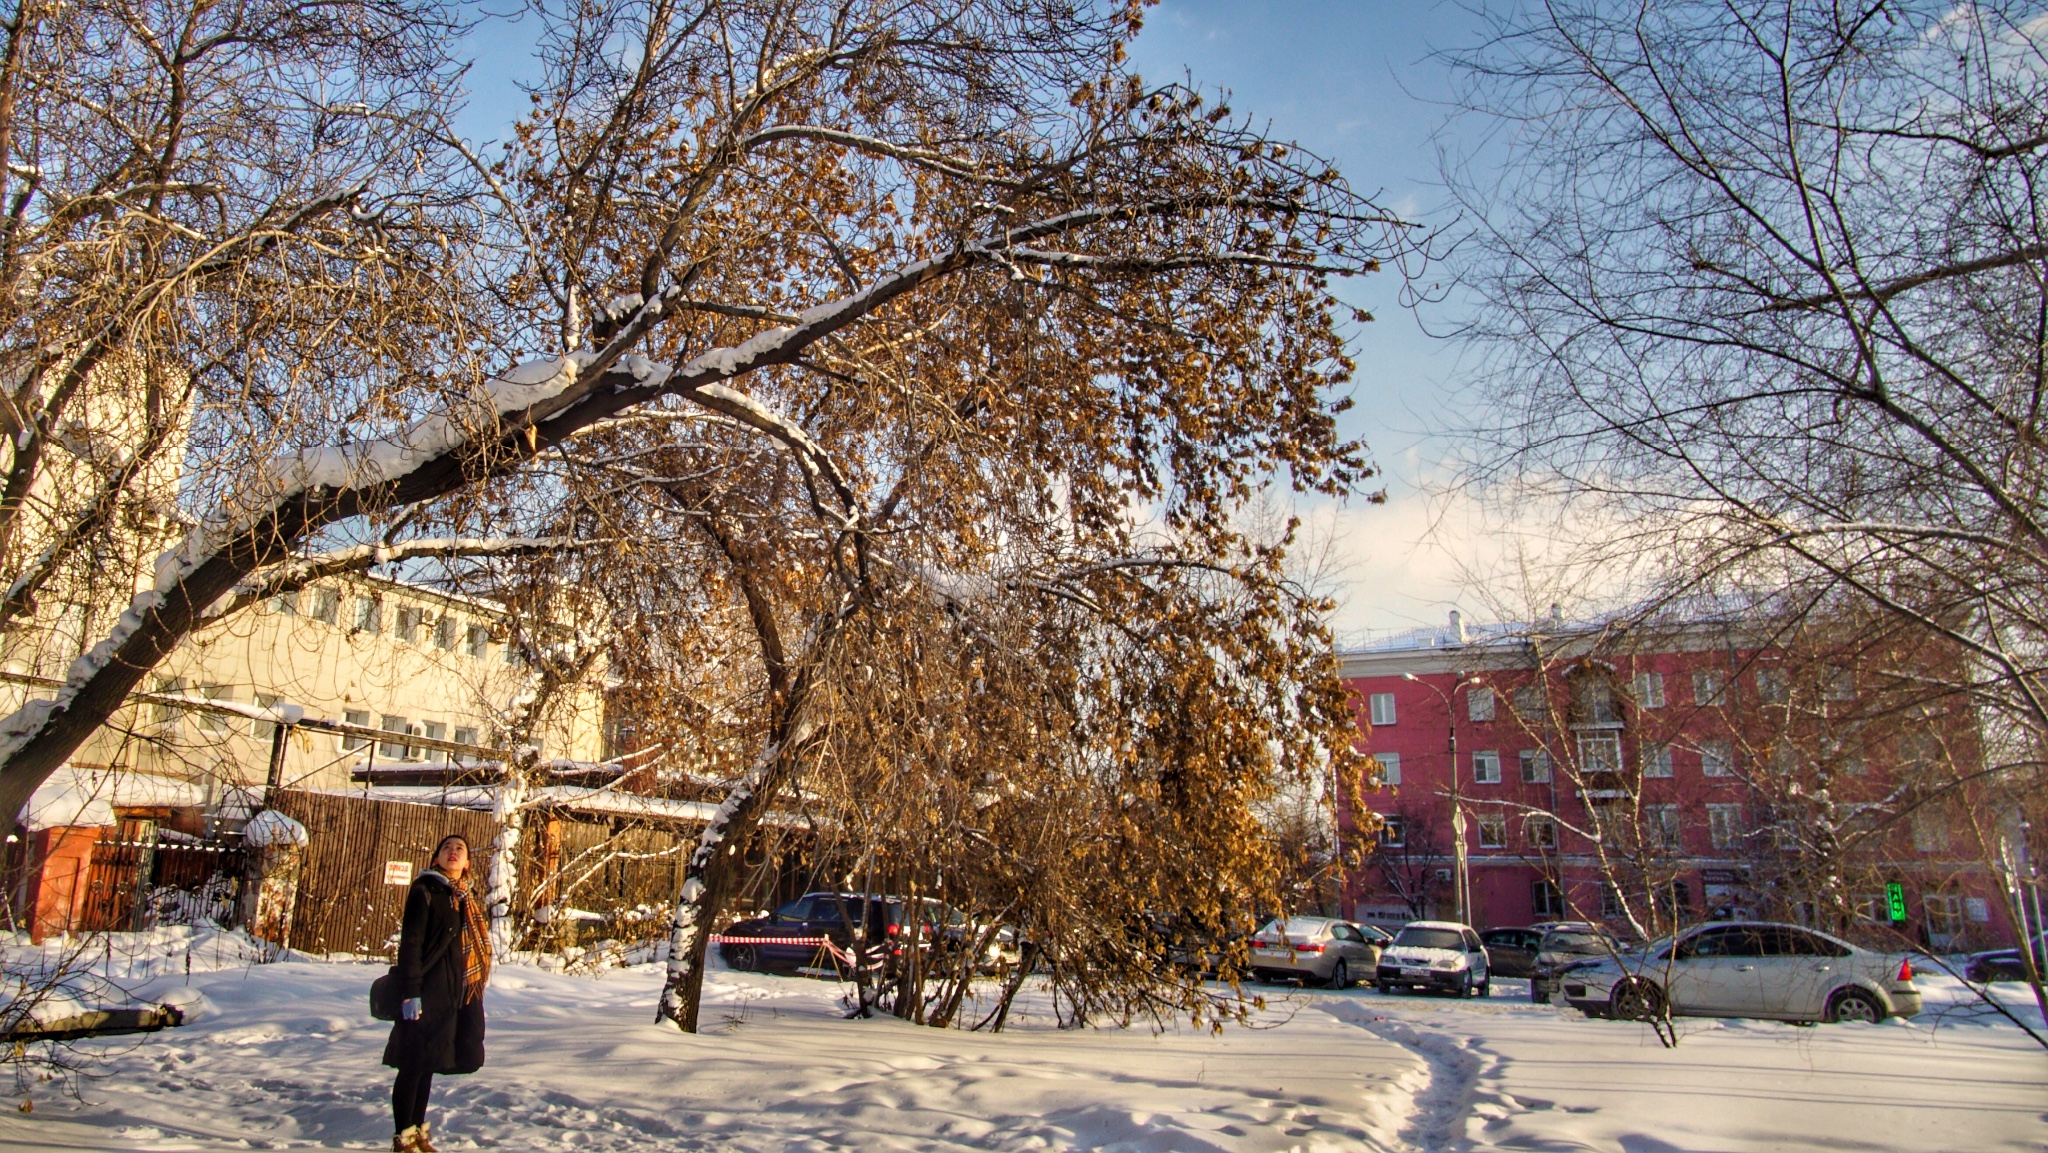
(742, 958)
(1386, 988)
(1340, 975)
(1486, 985)
(1636, 999)
(1855, 1005)
(1465, 985)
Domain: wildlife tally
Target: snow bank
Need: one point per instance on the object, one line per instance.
(271, 827)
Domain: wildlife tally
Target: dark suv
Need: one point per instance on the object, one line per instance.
(815, 933)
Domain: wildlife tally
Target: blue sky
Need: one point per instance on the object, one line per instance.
(1355, 82)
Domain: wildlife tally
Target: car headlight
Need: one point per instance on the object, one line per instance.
(1452, 964)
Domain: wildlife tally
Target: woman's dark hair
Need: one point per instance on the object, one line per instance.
(444, 844)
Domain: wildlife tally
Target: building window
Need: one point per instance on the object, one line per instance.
(1660, 827)
(1493, 831)
(170, 687)
(1674, 901)
(1717, 759)
(1546, 901)
(1529, 702)
(369, 615)
(1930, 832)
(465, 735)
(408, 628)
(1595, 700)
(210, 721)
(1541, 831)
(285, 603)
(1839, 684)
(265, 730)
(395, 750)
(1709, 687)
(1599, 753)
(1383, 708)
(360, 719)
(1486, 768)
(326, 606)
(1944, 918)
(1656, 760)
(1535, 766)
(1770, 686)
(1390, 768)
(1724, 825)
(1610, 900)
(1649, 690)
(1393, 831)
(444, 633)
(1977, 909)
(1479, 705)
(438, 731)
(476, 642)
(513, 655)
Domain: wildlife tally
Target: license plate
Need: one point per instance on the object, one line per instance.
(1281, 953)
(1415, 972)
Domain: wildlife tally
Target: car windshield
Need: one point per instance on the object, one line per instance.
(1295, 927)
(1569, 941)
(1414, 936)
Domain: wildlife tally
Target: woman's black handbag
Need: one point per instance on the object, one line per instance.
(385, 1001)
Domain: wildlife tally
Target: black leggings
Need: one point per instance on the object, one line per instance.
(409, 1098)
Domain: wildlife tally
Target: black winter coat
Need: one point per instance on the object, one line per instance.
(449, 1035)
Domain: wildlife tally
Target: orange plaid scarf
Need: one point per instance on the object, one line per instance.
(476, 940)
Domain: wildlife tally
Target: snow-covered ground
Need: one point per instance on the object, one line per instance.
(285, 1056)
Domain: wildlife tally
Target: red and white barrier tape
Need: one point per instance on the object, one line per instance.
(843, 956)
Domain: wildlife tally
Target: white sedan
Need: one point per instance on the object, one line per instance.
(1746, 970)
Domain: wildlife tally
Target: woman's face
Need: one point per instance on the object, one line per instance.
(453, 859)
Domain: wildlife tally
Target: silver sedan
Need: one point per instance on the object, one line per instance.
(1746, 970)
(1322, 949)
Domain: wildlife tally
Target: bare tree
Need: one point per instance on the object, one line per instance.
(1765, 287)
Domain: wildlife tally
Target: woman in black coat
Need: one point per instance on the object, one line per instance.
(444, 960)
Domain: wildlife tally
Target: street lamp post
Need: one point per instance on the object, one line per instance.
(1462, 883)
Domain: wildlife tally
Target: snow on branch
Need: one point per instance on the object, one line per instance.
(297, 574)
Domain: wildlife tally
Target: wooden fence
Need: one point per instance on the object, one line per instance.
(345, 903)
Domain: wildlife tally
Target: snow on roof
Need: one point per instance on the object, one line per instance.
(575, 798)
(78, 797)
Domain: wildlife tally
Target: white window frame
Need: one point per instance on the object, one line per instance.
(1649, 690)
(1657, 761)
(1724, 826)
(1530, 825)
(1493, 830)
(360, 718)
(1486, 767)
(1381, 708)
(1393, 831)
(1717, 759)
(1535, 766)
(1479, 705)
(1709, 687)
(1662, 827)
(1390, 768)
(1600, 752)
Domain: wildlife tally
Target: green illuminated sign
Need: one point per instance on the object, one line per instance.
(1895, 901)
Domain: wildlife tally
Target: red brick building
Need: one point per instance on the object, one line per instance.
(1699, 769)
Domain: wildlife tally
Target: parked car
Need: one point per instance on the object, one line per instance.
(1746, 969)
(1322, 949)
(2007, 964)
(1511, 952)
(1443, 956)
(795, 936)
(1564, 946)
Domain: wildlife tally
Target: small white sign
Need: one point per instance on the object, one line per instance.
(398, 872)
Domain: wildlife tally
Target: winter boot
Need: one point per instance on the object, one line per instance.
(406, 1140)
(420, 1141)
